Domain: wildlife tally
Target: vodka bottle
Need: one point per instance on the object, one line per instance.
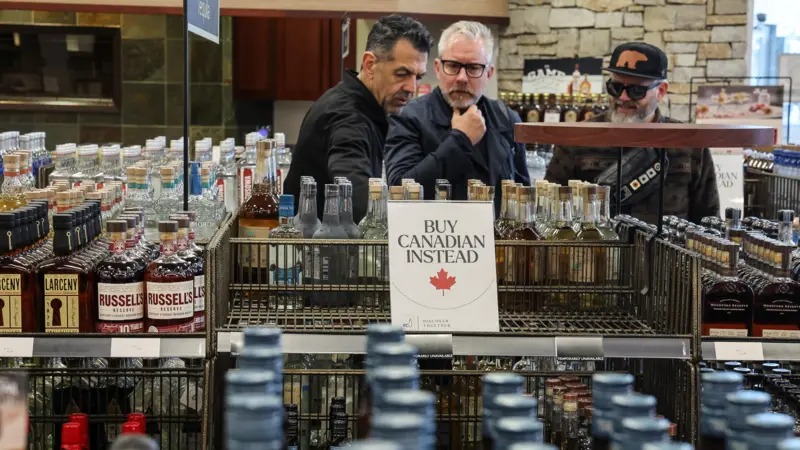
(283, 158)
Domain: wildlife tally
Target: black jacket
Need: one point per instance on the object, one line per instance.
(421, 145)
(342, 135)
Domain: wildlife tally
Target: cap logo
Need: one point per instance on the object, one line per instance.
(630, 58)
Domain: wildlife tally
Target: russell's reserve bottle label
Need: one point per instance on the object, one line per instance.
(10, 303)
(61, 303)
(199, 302)
(251, 255)
(120, 303)
(167, 301)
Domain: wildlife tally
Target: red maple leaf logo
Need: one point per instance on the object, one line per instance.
(443, 281)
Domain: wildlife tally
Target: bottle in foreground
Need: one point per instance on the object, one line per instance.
(169, 283)
(134, 441)
(254, 422)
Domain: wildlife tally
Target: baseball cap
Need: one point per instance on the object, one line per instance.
(639, 59)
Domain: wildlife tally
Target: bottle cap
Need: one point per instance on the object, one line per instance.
(515, 405)
(286, 205)
(192, 215)
(71, 434)
(785, 215)
(518, 425)
(62, 221)
(117, 226)
(331, 190)
(532, 446)
(280, 140)
(262, 337)
(167, 226)
(647, 424)
(132, 428)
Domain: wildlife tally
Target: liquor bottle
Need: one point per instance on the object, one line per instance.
(405, 430)
(414, 192)
(525, 263)
(197, 267)
(605, 387)
(626, 406)
(66, 283)
(727, 300)
(169, 283)
(307, 220)
(594, 260)
(777, 297)
(338, 434)
(12, 188)
(257, 217)
(516, 430)
(350, 228)
(373, 260)
(523, 102)
(507, 209)
(291, 426)
(283, 160)
(570, 423)
(18, 307)
(443, 190)
(571, 110)
(396, 193)
(552, 113)
(767, 430)
(285, 260)
(740, 405)
(560, 259)
(535, 110)
(253, 421)
(120, 286)
(713, 402)
(330, 261)
(638, 431)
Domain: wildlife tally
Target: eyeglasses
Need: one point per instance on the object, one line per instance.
(474, 70)
(635, 91)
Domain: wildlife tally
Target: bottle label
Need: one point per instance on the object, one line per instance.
(10, 303)
(167, 301)
(533, 115)
(255, 256)
(199, 293)
(182, 242)
(571, 116)
(728, 332)
(120, 302)
(781, 334)
(246, 184)
(284, 265)
(552, 117)
(588, 115)
(61, 303)
(220, 190)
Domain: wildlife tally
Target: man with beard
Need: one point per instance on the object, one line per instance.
(637, 83)
(343, 133)
(455, 132)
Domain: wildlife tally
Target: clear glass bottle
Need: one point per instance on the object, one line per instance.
(88, 167)
(131, 155)
(120, 286)
(227, 174)
(330, 264)
(592, 260)
(283, 159)
(247, 167)
(307, 217)
(285, 260)
(368, 217)
(373, 260)
(110, 167)
(13, 191)
(171, 198)
(169, 283)
(25, 172)
(524, 264)
(560, 258)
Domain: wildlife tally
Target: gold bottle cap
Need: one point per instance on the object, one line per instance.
(396, 192)
(506, 183)
(11, 161)
(375, 187)
(524, 194)
(564, 193)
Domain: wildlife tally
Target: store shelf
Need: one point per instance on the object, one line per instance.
(142, 346)
(569, 335)
(666, 135)
(750, 349)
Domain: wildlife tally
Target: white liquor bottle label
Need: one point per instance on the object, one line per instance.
(10, 303)
(284, 265)
(170, 300)
(61, 303)
(120, 302)
(552, 117)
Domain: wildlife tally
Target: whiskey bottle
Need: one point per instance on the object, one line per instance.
(571, 110)
(18, 307)
(257, 216)
(120, 287)
(12, 189)
(503, 224)
(66, 283)
(593, 260)
(197, 265)
(523, 103)
(553, 111)
(776, 311)
(535, 110)
(169, 283)
(444, 190)
(727, 300)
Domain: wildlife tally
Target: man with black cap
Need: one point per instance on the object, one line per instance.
(637, 83)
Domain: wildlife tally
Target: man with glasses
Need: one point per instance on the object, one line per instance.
(455, 132)
(344, 132)
(637, 83)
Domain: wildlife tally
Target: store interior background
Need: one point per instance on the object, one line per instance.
(704, 38)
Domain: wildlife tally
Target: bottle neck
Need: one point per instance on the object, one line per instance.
(526, 215)
(118, 243)
(591, 213)
(785, 233)
(331, 212)
(168, 244)
(308, 204)
(563, 213)
(346, 209)
(64, 242)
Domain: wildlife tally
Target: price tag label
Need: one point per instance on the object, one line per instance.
(16, 347)
(135, 347)
(739, 351)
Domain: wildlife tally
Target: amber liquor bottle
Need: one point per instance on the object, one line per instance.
(197, 264)
(727, 300)
(776, 310)
(18, 312)
(169, 283)
(257, 217)
(120, 286)
(66, 283)
(526, 262)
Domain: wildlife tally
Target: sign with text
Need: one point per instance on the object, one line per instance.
(442, 265)
(730, 177)
(204, 18)
(563, 76)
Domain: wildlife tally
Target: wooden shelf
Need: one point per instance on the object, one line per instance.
(666, 135)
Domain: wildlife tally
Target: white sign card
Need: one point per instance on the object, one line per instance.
(442, 266)
(730, 177)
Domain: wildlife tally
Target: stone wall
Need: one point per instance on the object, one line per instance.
(703, 38)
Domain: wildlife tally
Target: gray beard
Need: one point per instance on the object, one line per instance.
(465, 104)
(640, 116)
